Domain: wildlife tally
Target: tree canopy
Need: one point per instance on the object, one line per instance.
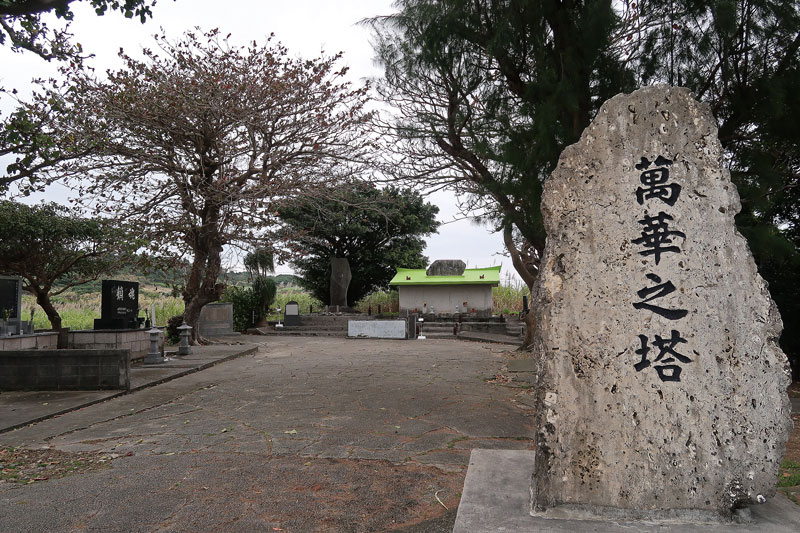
(376, 230)
(199, 140)
(53, 250)
(22, 27)
(486, 95)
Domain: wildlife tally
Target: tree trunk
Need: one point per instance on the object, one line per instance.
(528, 276)
(202, 287)
(43, 299)
(530, 330)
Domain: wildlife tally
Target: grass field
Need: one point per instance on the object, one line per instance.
(79, 311)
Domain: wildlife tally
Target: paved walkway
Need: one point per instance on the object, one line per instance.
(19, 408)
(307, 434)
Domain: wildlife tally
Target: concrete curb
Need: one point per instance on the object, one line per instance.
(476, 338)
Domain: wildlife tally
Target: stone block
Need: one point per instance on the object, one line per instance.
(13, 343)
(377, 329)
(68, 370)
(46, 369)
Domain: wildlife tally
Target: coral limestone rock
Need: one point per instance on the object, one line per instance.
(662, 390)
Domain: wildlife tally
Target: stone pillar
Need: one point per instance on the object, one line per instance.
(661, 388)
(412, 325)
(340, 281)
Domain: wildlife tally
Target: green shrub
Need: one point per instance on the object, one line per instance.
(171, 333)
(287, 294)
(244, 306)
(250, 304)
(507, 299)
(388, 300)
(264, 291)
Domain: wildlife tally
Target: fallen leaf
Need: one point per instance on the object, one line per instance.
(291, 432)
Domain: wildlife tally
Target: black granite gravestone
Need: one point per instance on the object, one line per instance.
(119, 307)
(11, 297)
(11, 302)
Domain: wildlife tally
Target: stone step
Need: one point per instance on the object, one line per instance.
(437, 335)
(433, 329)
(301, 333)
(486, 319)
(330, 327)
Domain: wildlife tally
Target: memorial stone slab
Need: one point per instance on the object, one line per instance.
(340, 281)
(291, 316)
(10, 304)
(119, 305)
(661, 388)
(216, 320)
(11, 297)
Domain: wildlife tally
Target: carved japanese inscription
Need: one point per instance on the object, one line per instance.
(661, 388)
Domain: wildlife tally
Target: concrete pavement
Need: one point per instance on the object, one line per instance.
(19, 408)
(307, 434)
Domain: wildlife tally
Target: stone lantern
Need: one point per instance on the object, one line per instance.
(154, 355)
(183, 347)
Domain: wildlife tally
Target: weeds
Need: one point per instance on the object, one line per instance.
(790, 474)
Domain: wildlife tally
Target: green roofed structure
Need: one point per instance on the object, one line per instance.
(447, 287)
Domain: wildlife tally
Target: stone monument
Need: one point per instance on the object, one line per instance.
(291, 314)
(661, 388)
(119, 305)
(340, 281)
(11, 303)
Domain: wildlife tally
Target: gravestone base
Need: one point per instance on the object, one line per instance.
(496, 497)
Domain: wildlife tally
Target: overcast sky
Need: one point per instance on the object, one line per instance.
(306, 27)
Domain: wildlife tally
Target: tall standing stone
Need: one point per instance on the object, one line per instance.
(662, 391)
(340, 280)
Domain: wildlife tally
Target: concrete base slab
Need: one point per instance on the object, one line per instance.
(522, 365)
(497, 492)
(18, 408)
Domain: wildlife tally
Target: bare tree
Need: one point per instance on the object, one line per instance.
(201, 140)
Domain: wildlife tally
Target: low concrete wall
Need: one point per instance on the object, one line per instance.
(64, 370)
(137, 341)
(377, 329)
(216, 320)
(37, 341)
